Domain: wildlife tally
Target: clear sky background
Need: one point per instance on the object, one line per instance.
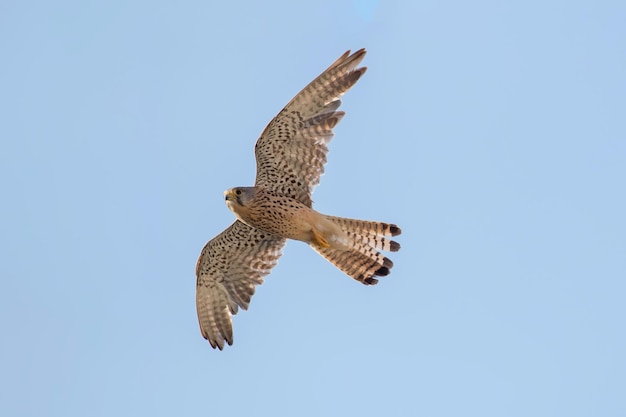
(492, 132)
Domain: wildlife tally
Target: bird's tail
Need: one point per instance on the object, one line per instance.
(357, 252)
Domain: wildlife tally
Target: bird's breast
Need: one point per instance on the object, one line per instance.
(279, 215)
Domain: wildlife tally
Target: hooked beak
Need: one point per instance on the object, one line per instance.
(231, 197)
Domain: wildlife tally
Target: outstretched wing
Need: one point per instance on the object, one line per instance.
(291, 152)
(229, 267)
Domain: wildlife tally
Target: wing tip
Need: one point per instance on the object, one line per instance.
(350, 59)
(358, 54)
(218, 343)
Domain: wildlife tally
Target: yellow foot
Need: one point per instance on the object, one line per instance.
(318, 239)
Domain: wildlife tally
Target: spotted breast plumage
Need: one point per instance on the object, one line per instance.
(290, 156)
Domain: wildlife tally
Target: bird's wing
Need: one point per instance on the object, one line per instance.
(291, 152)
(229, 267)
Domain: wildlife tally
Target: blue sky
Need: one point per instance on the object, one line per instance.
(492, 132)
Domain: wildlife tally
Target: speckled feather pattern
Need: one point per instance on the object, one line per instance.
(290, 156)
(275, 213)
(291, 152)
(361, 260)
(229, 267)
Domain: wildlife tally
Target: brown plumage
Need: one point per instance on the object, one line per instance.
(361, 259)
(290, 155)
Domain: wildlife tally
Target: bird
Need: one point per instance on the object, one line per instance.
(290, 156)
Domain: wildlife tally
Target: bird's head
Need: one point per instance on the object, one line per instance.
(238, 197)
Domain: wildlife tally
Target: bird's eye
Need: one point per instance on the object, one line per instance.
(238, 192)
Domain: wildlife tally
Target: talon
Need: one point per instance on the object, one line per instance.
(319, 240)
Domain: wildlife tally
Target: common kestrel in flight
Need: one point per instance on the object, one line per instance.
(290, 157)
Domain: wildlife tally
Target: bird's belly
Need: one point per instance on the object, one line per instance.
(291, 220)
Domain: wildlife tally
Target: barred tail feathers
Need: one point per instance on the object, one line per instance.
(359, 256)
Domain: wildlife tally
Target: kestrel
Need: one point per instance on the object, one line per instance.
(290, 157)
